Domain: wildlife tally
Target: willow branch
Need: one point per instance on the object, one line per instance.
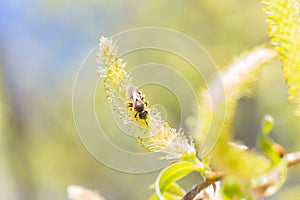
(210, 179)
(292, 159)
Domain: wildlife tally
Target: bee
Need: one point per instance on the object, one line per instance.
(138, 103)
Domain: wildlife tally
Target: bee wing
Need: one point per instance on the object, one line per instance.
(134, 94)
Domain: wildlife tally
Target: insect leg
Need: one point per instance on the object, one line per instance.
(130, 104)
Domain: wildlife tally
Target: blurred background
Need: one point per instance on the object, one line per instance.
(43, 43)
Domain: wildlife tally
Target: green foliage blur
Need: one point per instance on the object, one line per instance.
(42, 44)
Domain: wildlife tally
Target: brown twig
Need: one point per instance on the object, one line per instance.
(292, 158)
(210, 179)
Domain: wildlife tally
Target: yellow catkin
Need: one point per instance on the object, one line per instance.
(153, 132)
(284, 30)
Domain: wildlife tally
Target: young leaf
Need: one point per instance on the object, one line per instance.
(174, 191)
(265, 143)
(171, 174)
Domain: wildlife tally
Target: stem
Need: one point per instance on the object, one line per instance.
(292, 158)
(211, 178)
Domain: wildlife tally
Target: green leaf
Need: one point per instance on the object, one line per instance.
(153, 197)
(174, 191)
(268, 124)
(265, 142)
(166, 196)
(167, 177)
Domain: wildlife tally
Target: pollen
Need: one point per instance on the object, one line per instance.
(131, 107)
